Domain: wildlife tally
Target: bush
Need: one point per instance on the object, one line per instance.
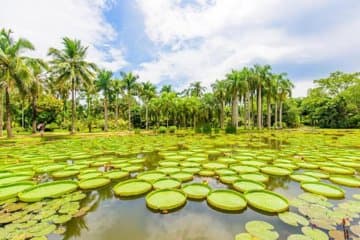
(198, 130)
(162, 129)
(230, 129)
(217, 130)
(137, 131)
(206, 129)
(172, 129)
(52, 126)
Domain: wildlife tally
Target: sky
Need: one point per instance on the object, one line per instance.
(181, 41)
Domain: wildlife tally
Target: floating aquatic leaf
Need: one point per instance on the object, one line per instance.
(267, 201)
(293, 219)
(228, 200)
(314, 234)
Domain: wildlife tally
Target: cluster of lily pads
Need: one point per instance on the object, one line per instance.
(172, 169)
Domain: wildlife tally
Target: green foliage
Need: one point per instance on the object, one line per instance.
(230, 129)
(137, 131)
(172, 129)
(162, 130)
(217, 130)
(206, 128)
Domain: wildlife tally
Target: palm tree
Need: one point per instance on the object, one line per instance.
(147, 92)
(103, 83)
(116, 90)
(270, 88)
(38, 68)
(220, 92)
(195, 89)
(70, 66)
(285, 87)
(130, 86)
(261, 74)
(166, 88)
(14, 71)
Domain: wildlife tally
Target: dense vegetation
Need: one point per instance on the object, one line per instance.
(68, 92)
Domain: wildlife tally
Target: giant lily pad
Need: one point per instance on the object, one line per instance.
(91, 183)
(196, 190)
(261, 230)
(247, 185)
(303, 178)
(151, 176)
(267, 201)
(346, 180)
(166, 183)
(225, 199)
(338, 170)
(182, 176)
(116, 174)
(14, 178)
(65, 173)
(293, 219)
(132, 187)
(11, 190)
(258, 177)
(48, 190)
(314, 234)
(276, 171)
(166, 199)
(324, 189)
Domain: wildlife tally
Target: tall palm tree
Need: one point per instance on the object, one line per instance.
(270, 89)
(116, 90)
(147, 92)
(103, 83)
(70, 66)
(14, 71)
(38, 68)
(130, 86)
(285, 87)
(261, 74)
(195, 89)
(166, 88)
(220, 92)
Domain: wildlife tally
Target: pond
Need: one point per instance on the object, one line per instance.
(290, 165)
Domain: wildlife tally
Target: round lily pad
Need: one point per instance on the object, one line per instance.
(15, 178)
(151, 176)
(48, 190)
(165, 199)
(166, 183)
(267, 201)
(247, 185)
(314, 233)
(196, 190)
(324, 189)
(293, 219)
(261, 230)
(12, 190)
(91, 183)
(182, 176)
(303, 178)
(64, 173)
(206, 173)
(132, 187)
(346, 180)
(229, 179)
(338, 170)
(276, 171)
(225, 199)
(316, 174)
(116, 174)
(258, 177)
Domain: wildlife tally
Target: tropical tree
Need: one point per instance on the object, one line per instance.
(220, 93)
(166, 88)
(14, 71)
(69, 66)
(103, 83)
(284, 90)
(195, 89)
(147, 92)
(130, 86)
(116, 91)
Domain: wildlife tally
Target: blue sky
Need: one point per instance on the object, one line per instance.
(180, 41)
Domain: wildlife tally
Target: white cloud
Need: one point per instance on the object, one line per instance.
(301, 88)
(46, 22)
(208, 38)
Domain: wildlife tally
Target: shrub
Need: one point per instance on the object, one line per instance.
(137, 131)
(217, 130)
(162, 129)
(198, 130)
(230, 129)
(172, 129)
(206, 129)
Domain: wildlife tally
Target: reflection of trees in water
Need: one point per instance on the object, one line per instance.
(190, 226)
(74, 228)
(278, 182)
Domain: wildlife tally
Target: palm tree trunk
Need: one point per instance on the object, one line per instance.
(276, 114)
(1, 111)
(146, 117)
(252, 108)
(73, 107)
(8, 113)
(248, 109)
(235, 112)
(129, 114)
(222, 114)
(34, 114)
(245, 111)
(116, 112)
(280, 114)
(105, 115)
(194, 121)
(259, 108)
(268, 103)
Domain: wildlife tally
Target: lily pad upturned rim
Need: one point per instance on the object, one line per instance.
(133, 193)
(264, 207)
(102, 181)
(341, 192)
(22, 195)
(195, 196)
(223, 206)
(5, 196)
(249, 181)
(170, 206)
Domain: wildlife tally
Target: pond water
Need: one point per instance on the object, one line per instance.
(110, 217)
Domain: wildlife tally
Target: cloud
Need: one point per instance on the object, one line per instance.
(202, 40)
(45, 23)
